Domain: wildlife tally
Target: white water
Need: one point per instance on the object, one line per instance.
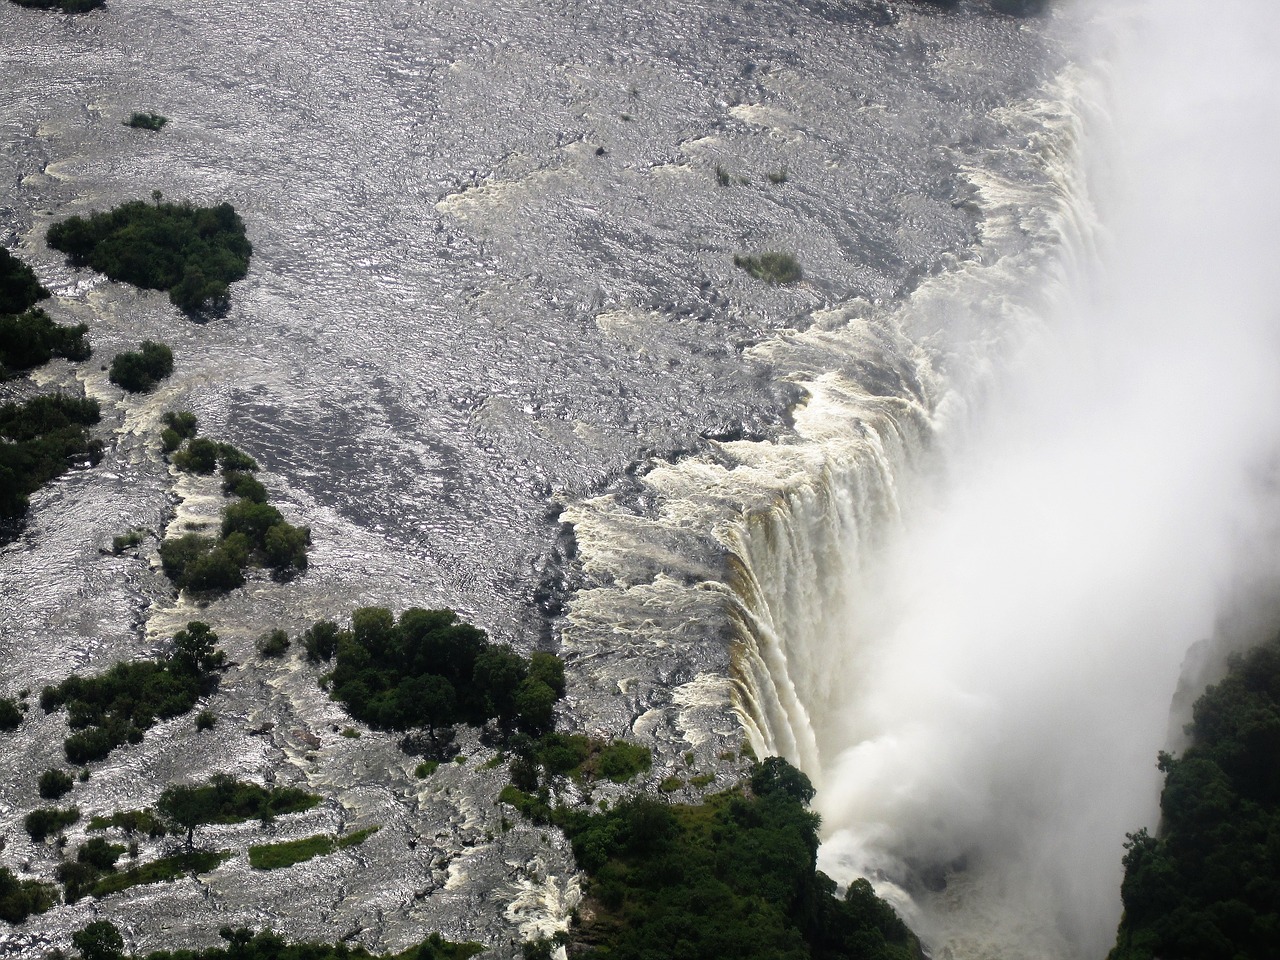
(981, 697)
(962, 599)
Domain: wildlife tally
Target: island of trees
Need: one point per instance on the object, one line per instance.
(1208, 885)
(193, 252)
(66, 6)
(141, 370)
(429, 670)
(252, 530)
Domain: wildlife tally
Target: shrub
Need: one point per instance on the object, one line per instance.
(206, 720)
(31, 339)
(199, 455)
(244, 486)
(10, 714)
(274, 644)
(146, 121)
(66, 6)
(19, 287)
(772, 267)
(43, 821)
(142, 370)
(55, 784)
(126, 540)
(159, 871)
(44, 434)
(20, 899)
(193, 252)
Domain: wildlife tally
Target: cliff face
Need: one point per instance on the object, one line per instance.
(493, 276)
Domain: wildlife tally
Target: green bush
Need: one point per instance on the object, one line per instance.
(733, 877)
(227, 800)
(131, 822)
(20, 899)
(115, 707)
(19, 287)
(126, 541)
(1208, 885)
(44, 434)
(206, 720)
(142, 370)
(199, 455)
(195, 253)
(772, 267)
(274, 644)
(43, 821)
(10, 714)
(146, 121)
(159, 871)
(32, 339)
(55, 784)
(427, 670)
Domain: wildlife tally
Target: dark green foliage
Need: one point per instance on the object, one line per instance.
(126, 540)
(285, 547)
(733, 877)
(321, 640)
(66, 6)
(159, 871)
(273, 856)
(44, 436)
(178, 426)
(20, 899)
(10, 714)
(140, 371)
(583, 758)
(99, 940)
(274, 644)
(428, 670)
(200, 455)
(772, 267)
(227, 800)
(131, 822)
(19, 287)
(31, 339)
(115, 707)
(146, 121)
(43, 821)
(206, 720)
(94, 859)
(243, 944)
(243, 486)
(1209, 884)
(55, 784)
(192, 252)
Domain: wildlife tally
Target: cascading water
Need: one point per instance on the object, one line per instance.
(962, 587)
(979, 678)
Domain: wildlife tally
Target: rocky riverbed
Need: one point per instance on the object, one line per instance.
(493, 278)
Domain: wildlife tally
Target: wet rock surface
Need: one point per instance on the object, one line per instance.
(493, 276)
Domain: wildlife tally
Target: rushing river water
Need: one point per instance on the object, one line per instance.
(493, 290)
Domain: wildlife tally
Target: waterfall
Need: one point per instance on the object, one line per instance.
(959, 591)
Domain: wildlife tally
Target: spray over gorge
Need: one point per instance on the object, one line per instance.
(886, 386)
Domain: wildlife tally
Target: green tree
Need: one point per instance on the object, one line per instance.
(100, 940)
(184, 808)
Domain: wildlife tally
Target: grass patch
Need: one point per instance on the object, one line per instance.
(160, 871)
(426, 768)
(127, 541)
(772, 267)
(702, 779)
(275, 856)
(671, 784)
(131, 822)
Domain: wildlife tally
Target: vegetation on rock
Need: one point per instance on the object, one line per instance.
(1208, 885)
(115, 707)
(273, 856)
(54, 784)
(32, 339)
(20, 899)
(733, 877)
(428, 670)
(140, 371)
(193, 252)
(39, 440)
(224, 799)
(10, 714)
(146, 121)
(772, 267)
(66, 6)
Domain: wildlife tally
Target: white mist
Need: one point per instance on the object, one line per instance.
(1094, 514)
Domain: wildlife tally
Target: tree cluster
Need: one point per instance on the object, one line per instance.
(66, 6)
(224, 799)
(39, 440)
(140, 371)
(193, 252)
(1209, 884)
(101, 940)
(20, 899)
(252, 530)
(116, 707)
(733, 877)
(428, 670)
